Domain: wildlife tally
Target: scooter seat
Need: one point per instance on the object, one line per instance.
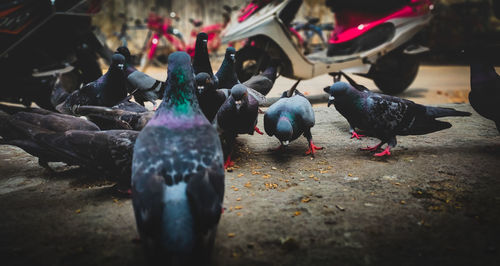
(381, 6)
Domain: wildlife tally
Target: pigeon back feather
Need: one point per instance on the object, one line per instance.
(177, 174)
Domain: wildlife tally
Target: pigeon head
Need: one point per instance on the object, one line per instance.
(239, 93)
(284, 130)
(204, 82)
(179, 91)
(201, 39)
(118, 62)
(230, 54)
(123, 50)
(336, 90)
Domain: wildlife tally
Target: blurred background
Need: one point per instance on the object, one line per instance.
(455, 22)
(76, 38)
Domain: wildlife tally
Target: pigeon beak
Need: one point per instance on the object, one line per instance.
(238, 104)
(121, 66)
(285, 143)
(330, 100)
(205, 41)
(232, 57)
(200, 89)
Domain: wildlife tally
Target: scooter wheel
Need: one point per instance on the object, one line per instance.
(394, 72)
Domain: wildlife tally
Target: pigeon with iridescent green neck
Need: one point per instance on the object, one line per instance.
(178, 175)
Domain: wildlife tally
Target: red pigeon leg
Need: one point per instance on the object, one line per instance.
(258, 130)
(313, 148)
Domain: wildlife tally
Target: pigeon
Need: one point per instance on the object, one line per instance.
(357, 86)
(124, 115)
(484, 93)
(290, 117)
(58, 94)
(263, 83)
(384, 117)
(21, 134)
(144, 87)
(49, 120)
(201, 61)
(209, 97)
(115, 117)
(237, 115)
(178, 175)
(226, 75)
(127, 105)
(102, 152)
(107, 90)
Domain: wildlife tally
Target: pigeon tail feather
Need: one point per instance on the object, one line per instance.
(425, 126)
(436, 112)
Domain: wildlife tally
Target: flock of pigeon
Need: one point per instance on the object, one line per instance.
(174, 157)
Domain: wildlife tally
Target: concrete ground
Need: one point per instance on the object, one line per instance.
(435, 201)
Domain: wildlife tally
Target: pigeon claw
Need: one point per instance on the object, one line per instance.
(384, 153)
(228, 163)
(312, 148)
(356, 135)
(258, 130)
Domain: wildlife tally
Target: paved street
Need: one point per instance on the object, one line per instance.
(433, 85)
(433, 202)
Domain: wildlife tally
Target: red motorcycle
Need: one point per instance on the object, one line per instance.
(161, 27)
(213, 31)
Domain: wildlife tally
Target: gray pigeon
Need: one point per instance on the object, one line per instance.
(226, 75)
(141, 85)
(384, 117)
(237, 115)
(58, 94)
(263, 82)
(209, 97)
(290, 117)
(49, 120)
(73, 142)
(115, 117)
(201, 60)
(484, 94)
(357, 86)
(178, 175)
(108, 90)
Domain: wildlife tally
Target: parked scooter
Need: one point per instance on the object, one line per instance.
(43, 39)
(375, 42)
(306, 31)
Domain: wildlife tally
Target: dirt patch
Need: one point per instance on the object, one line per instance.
(433, 202)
